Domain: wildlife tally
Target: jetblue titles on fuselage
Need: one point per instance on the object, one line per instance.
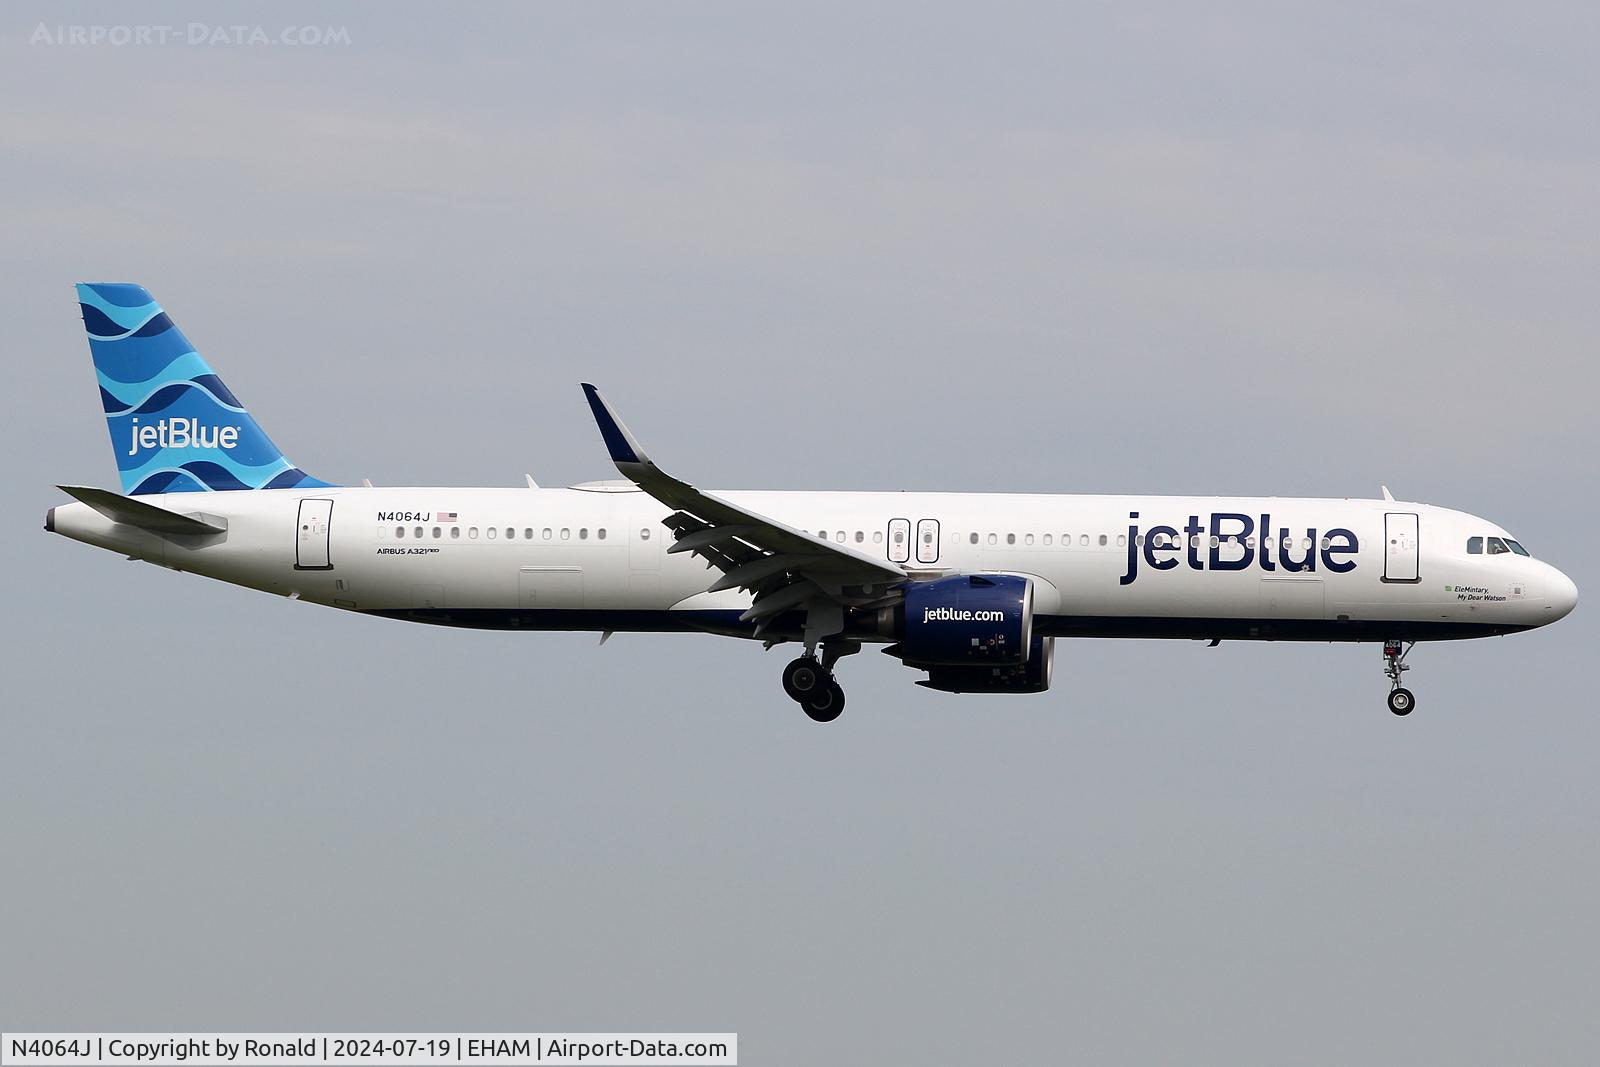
(1231, 545)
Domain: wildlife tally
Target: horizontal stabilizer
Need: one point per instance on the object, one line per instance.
(131, 512)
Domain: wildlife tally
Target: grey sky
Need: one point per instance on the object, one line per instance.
(1254, 250)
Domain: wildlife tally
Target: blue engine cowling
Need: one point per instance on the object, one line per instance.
(968, 620)
(1030, 677)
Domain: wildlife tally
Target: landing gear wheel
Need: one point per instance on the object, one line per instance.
(802, 678)
(1401, 702)
(825, 703)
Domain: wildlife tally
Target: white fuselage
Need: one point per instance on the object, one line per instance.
(594, 557)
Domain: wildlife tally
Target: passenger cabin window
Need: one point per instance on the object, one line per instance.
(455, 531)
(972, 538)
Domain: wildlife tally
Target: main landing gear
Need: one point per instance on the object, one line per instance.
(1401, 702)
(809, 680)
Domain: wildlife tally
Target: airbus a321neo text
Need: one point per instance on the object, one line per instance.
(969, 589)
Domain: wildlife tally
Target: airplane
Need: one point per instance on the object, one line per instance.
(970, 589)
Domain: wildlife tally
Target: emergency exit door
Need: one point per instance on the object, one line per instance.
(1400, 548)
(311, 541)
(928, 541)
(899, 540)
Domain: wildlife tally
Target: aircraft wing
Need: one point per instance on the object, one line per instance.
(784, 567)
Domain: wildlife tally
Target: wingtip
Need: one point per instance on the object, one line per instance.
(618, 443)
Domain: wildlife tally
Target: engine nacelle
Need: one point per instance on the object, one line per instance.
(968, 620)
(1030, 677)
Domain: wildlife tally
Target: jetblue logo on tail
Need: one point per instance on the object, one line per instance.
(181, 433)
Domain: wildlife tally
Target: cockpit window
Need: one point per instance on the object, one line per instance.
(1497, 546)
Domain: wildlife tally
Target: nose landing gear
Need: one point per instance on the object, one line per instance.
(809, 681)
(1401, 702)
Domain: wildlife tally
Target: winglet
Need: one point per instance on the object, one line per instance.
(619, 442)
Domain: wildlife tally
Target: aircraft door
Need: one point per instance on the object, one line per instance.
(1400, 548)
(311, 536)
(928, 541)
(899, 540)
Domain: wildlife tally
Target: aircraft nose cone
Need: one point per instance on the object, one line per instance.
(1563, 594)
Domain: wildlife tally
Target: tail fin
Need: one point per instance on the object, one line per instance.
(175, 428)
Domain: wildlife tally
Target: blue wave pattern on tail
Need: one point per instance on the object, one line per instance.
(175, 428)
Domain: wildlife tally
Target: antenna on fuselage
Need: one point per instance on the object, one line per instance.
(531, 483)
(1386, 494)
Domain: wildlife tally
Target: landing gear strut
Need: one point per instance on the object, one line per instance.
(810, 683)
(1401, 702)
